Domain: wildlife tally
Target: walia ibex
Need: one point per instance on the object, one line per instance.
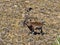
(34, 26)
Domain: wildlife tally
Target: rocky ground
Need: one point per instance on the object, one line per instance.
(12, 12)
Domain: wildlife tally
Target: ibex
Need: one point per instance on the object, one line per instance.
(34, 26)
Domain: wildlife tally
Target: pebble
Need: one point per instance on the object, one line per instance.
(15, 6)
(27, 1)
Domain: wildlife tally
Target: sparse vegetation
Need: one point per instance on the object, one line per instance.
(57, 41)
(12, 14)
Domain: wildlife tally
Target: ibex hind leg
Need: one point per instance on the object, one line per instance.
(41, 31)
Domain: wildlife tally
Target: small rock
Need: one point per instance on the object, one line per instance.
(27, 1)
(15, 6)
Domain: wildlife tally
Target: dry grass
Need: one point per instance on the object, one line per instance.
(12, 12)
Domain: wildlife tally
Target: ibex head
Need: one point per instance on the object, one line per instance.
(26, 22)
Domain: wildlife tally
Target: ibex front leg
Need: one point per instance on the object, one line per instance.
(31, 29)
